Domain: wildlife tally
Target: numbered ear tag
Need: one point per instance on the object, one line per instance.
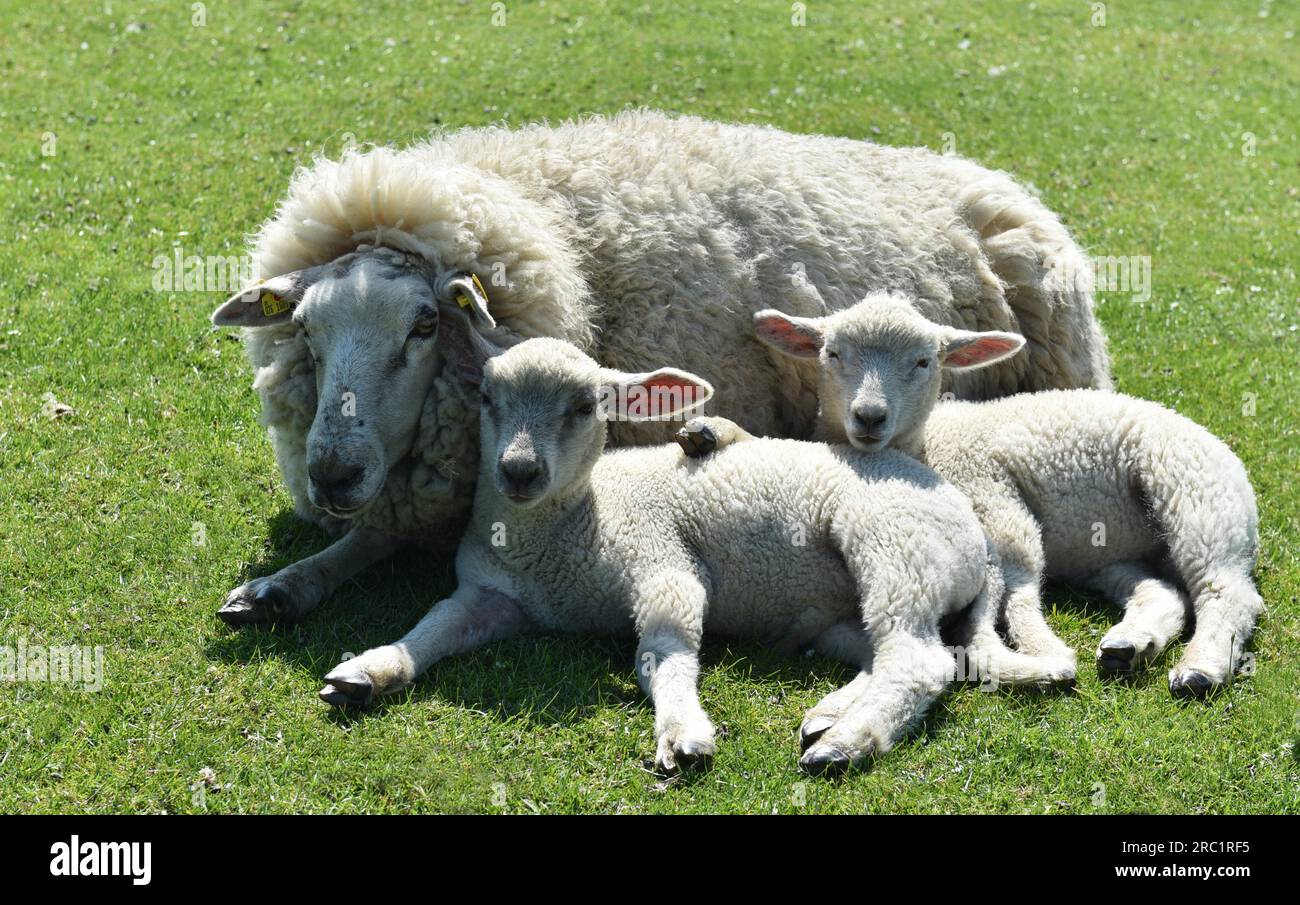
(464, 300)
(272, 304)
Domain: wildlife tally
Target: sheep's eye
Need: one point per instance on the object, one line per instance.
(585, 409)
(923, 362)
(832, 354)
(425, 326)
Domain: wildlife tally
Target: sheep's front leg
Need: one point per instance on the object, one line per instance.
(907, 673)
(469, 618)
(296, 590)
(701, 436)
(670, 625)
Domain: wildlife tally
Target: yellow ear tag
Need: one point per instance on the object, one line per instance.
(464, 300)
(272, 304)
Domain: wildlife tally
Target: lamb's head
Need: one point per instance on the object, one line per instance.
(379, 327)
(544, 413)
(880, 364)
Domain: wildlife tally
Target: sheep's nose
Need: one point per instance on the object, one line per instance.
(870, 419)
(520, 477)
(334, 478)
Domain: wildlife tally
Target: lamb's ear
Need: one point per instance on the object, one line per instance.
(466, 291)
(661, 395)
(798, 336)
(963, 349)
(269, 302)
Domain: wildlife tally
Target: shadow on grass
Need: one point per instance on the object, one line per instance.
(541, 680)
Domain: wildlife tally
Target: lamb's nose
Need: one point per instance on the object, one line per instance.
(334, 478)
(870, 418)
(519, 476)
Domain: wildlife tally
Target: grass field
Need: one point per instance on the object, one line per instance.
(1167, 132)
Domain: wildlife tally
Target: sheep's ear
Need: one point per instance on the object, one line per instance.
(798, 336)
(269, 302)
(467, 292)
(463, 347)
(661, 395)
(963, 349)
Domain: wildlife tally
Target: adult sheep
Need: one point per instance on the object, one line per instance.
(639, 237)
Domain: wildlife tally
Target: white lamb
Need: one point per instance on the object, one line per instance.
(796, 543)
(1112, 492)
(633, 236)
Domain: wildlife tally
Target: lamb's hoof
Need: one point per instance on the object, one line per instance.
(825, 760)
(696, 440)
(813, 729)
(685, 756)
(1063, 680)
(256, 603)
(1190, 683)
(1117, 657)
(352, 690)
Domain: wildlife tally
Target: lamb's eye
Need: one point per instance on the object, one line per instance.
(424, 327)
(832, 355)
(585, 409)
(923, 362)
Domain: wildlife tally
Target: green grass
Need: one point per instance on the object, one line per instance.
(176, 134)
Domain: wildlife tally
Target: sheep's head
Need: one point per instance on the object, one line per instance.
(379, 328)
(880, 364)
(544, 413)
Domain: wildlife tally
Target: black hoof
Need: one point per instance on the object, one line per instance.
(825, 761)
(240, 612)
(356, 692)
(1110, 667)
(1119, 650)
(812, 730)
(696, 442)
(1190, 683)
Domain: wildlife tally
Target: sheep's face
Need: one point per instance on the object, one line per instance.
(880, 364)
(372, 324)
(544, 410)
(372, 334)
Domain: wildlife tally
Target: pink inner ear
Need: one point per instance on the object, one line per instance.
(665, 393)
(787, 336)
(980, 351)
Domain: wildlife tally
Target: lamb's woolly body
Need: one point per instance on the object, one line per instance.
(1110, 481)
(643, 238)
(767, 526)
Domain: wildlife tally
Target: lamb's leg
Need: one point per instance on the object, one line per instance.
(909, 671)
(1154, 614)
(1227, 606)
(469, 618)
(708, 433)
(1015, 534)
(846, 641)
(670, 624)
(987, 659)
(296, 590)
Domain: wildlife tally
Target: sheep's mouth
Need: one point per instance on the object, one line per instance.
(345, 512)
(868, 442)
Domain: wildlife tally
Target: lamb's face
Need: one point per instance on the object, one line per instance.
(880, 363)
(540, 425)
(879, 374)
